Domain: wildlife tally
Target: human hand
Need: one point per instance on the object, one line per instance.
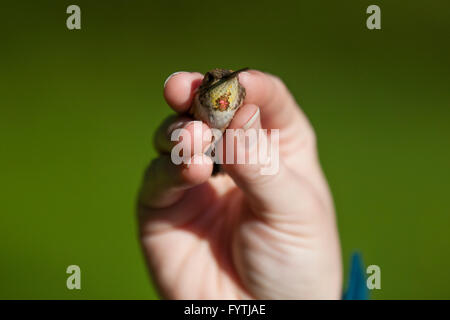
(241, 235)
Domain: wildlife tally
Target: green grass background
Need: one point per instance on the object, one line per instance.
(78, 109)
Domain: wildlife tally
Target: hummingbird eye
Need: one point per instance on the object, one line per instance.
(209, 77)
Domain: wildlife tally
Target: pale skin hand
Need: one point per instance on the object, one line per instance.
(241, 235)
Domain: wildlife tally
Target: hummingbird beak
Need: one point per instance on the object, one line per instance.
(226, 78)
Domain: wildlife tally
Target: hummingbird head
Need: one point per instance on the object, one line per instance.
(211, 77)
(220, 89)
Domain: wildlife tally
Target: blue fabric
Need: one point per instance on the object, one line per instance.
(357, 287)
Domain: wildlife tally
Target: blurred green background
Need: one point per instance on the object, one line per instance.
(78, 109)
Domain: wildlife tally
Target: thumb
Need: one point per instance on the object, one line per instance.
(251, 158)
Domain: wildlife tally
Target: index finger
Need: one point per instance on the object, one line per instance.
(179, 89)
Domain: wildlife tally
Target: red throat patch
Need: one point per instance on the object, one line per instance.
(222, 102)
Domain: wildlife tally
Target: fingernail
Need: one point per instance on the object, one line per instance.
(243, 75)
(168, 78)
(252, 120)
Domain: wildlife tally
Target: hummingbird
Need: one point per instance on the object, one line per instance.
(216, 101)
(218, 98)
